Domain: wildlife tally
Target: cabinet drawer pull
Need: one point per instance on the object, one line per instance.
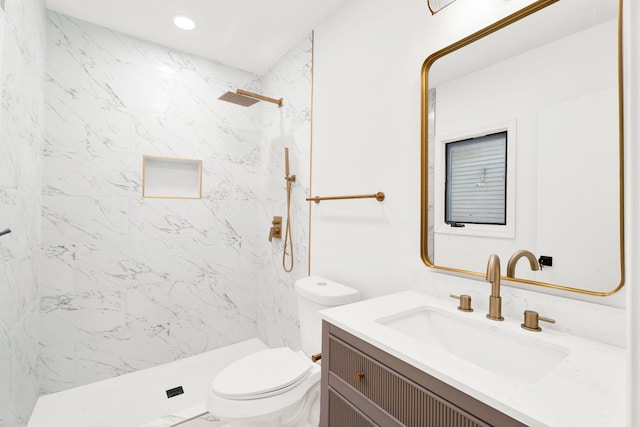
(358, 376)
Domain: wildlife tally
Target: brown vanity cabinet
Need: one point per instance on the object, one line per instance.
(365, 386)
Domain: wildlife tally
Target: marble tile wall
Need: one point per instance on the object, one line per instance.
(126, 282)
(22, 68)
(289, 127)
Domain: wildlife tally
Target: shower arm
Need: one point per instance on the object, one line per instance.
(278, 102)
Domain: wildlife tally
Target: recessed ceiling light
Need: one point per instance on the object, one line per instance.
(184, 22)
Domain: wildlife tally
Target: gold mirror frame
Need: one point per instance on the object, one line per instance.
(424, 135)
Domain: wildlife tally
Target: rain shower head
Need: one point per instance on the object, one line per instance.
(247, 99)
(236, 98)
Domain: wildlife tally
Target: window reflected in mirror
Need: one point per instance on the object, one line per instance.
(476, 180)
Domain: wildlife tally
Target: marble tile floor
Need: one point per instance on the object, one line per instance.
(139, 399)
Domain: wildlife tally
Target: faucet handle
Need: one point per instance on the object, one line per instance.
(531, 321)
(465, 302)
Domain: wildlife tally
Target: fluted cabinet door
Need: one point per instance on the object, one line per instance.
(344, 413)
(363, 385)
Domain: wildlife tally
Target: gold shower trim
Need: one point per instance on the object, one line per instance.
(278, 102)
(313, 37)
(379, 196)
(424, 134)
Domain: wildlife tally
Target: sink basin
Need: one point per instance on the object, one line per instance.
(512, 354)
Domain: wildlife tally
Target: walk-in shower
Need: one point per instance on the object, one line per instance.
(247, 99)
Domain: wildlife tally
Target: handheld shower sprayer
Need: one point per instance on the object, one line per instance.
(289, 178)
(286, 163)
(288, 239)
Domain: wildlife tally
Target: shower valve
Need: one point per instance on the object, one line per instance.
(276, 228)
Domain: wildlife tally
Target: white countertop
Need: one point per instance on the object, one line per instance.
(585, 389)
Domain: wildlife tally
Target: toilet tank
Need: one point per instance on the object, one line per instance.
(315, 294)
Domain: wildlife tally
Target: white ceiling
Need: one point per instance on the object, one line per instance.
(250, 35)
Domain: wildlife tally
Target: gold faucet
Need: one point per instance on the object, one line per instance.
(511, 265)
(493, 277)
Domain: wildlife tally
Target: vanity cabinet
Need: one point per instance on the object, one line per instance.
(364, 386)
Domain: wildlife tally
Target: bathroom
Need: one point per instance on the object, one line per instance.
(97, 281)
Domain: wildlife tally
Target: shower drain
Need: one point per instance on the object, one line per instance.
(173, 392)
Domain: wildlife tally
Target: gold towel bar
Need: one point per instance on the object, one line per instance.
(379, 196)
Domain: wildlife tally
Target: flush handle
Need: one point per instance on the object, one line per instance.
(465, 302)
(316, 357)
(531, 319)
(358, 377)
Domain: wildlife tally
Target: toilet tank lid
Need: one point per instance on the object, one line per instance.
(326, 292)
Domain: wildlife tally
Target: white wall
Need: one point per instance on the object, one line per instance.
(21, 121)
(632, 207)
(367, 136)
(127, 282)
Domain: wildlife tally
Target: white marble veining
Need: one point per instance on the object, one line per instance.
(194, 416)
(585, 388)
(289, 126)
(127, 282)
(22, 47)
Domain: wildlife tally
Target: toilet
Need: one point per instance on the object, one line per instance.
(280, 387)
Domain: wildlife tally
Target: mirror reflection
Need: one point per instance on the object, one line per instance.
(549, 80)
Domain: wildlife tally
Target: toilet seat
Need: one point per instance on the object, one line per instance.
(263, 406)
(262, 374)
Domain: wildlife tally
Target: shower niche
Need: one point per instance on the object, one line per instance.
(171, 178)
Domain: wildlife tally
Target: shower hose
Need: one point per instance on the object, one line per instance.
(288, 240)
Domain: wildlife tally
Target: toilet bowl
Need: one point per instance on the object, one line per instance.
(275, 387)
(280, 387)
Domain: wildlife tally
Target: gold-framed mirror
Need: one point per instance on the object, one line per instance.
(550, 77)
